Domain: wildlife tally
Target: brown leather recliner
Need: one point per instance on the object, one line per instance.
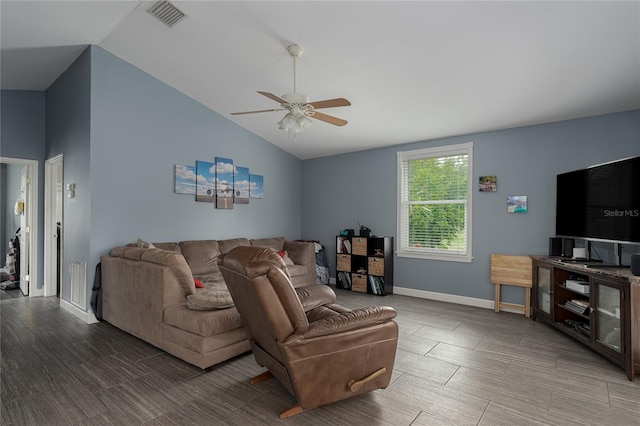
(321, 352)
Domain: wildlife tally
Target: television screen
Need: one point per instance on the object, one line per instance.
(601, 202)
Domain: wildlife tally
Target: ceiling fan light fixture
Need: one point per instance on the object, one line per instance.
(288, 122)
(300, 109)
(304, 122)
(295, 123)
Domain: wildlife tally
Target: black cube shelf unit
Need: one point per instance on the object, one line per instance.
(365, 264)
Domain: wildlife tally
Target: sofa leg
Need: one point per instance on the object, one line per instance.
(291, 411)
(261, 377)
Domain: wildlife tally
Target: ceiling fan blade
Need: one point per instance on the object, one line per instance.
(278, 99)
(260, 110)
(330, 103)
(329, 119)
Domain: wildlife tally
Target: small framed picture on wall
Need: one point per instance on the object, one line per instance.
(488, 184)
(517, 204)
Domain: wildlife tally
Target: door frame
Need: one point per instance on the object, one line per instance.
(50, 248)
(34, 217)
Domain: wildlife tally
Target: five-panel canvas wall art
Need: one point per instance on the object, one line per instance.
(219, 182)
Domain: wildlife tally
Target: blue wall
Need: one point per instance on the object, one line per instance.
(23, 124)
(141, 128)
(22, 135)
(68, 133)
(121, 132)
(340, 191)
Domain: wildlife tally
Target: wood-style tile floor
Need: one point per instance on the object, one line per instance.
(455, 365)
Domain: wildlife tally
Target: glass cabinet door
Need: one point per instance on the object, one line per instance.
(607, 313)
(543, 296)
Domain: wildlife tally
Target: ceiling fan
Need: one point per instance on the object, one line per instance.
(298, 105)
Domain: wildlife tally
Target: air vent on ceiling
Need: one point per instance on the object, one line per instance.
(166, 13)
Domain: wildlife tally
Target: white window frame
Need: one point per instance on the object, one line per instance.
(403, 204)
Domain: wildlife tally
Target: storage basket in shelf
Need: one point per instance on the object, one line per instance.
(359, 283)
(359, 246)
(376, 266)
(343, 262)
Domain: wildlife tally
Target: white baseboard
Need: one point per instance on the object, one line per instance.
(86, 316)
(450, 298)
(444, 297)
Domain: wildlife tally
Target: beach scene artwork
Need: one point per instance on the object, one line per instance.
(205, 182)
(241, 185)
(256, 186)
(185, 179)
(517, 204)
(224, 183)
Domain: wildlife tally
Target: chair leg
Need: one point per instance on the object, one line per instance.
(291, 411)
(261, 377)
(354, 385)
(527, 302)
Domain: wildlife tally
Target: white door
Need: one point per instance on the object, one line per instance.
(53, 197)
(25, 223)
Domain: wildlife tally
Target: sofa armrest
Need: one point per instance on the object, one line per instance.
(303, 253)
(313, 296)
(352, 320)
(134, 294)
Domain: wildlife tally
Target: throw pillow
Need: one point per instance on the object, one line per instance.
(205, 300)
(198, 283)
(285, 256)
(144, 244)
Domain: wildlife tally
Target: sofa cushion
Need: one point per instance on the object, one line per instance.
(208, 299)
(276, 243)
(202, 323)
(285, 256)
(201, 255)
(176, 262)
(128, 252)
(144, 244)
(297, 271)
(227, 245)
(168, 246)
(163, 246)
(214, 277)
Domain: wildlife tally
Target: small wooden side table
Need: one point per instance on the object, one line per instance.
(515, 271)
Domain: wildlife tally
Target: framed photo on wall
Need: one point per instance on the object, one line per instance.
(488, 184)
(224, 183)
(256, 186)
(517, 204)
(205, 182)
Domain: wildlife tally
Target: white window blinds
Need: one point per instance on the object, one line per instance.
(434, 203)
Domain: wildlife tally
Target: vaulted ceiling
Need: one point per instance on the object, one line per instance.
(413, 71)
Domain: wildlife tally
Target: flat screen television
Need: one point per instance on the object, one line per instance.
(600, 203)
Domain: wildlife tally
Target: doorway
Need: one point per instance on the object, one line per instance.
(53, 176)
(24, 209)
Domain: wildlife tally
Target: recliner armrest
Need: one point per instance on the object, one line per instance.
(314, 296)
(352, 320)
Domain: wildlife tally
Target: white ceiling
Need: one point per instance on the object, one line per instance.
(413, 71)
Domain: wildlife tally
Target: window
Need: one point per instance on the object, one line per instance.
(434, 203)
